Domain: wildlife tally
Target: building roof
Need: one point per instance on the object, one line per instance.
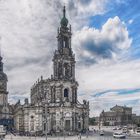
(119, 107)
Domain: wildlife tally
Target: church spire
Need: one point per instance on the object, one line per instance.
(64, 11)
(1, 63)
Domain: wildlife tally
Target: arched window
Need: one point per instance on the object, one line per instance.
(66, 92)
(67, 70)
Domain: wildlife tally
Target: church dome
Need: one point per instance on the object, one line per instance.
(3, 76)
(64, 22)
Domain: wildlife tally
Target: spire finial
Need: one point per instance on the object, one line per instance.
(64, 11)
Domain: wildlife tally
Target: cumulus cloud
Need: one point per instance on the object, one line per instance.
(108, 42)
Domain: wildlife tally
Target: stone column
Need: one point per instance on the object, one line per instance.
(73, 71)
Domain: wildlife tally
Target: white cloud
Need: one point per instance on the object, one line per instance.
(107, 42)
(86, 8)
(110, 75)
(130, 21)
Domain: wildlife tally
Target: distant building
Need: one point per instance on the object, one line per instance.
(118, 115)
(136, 119)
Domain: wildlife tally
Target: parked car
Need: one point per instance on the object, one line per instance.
(119, 135)
(101, 133)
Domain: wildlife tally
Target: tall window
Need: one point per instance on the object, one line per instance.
(66, 92)
(32, 123)
(67, 70)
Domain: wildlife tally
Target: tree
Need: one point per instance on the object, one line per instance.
(92, 121)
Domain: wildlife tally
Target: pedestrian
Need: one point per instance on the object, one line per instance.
(87, 133)
(79, 136)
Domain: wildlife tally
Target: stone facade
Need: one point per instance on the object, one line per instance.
(118, 115)
(38, 91)
(6, 111)
(28, 118)
(18, 117)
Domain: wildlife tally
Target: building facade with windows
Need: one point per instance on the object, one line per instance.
(118, 115)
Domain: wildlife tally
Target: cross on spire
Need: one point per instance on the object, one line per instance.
(64, 11)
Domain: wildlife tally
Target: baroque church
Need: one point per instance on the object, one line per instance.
(58, 93)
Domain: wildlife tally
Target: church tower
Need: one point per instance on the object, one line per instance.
(64, 59)
(64, 66)
(3, 92)
(66, 113)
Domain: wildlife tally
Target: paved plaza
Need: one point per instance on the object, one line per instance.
(11, 137)
(92, 137)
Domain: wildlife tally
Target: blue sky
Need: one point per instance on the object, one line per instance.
(105, 41)
(128, 11)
